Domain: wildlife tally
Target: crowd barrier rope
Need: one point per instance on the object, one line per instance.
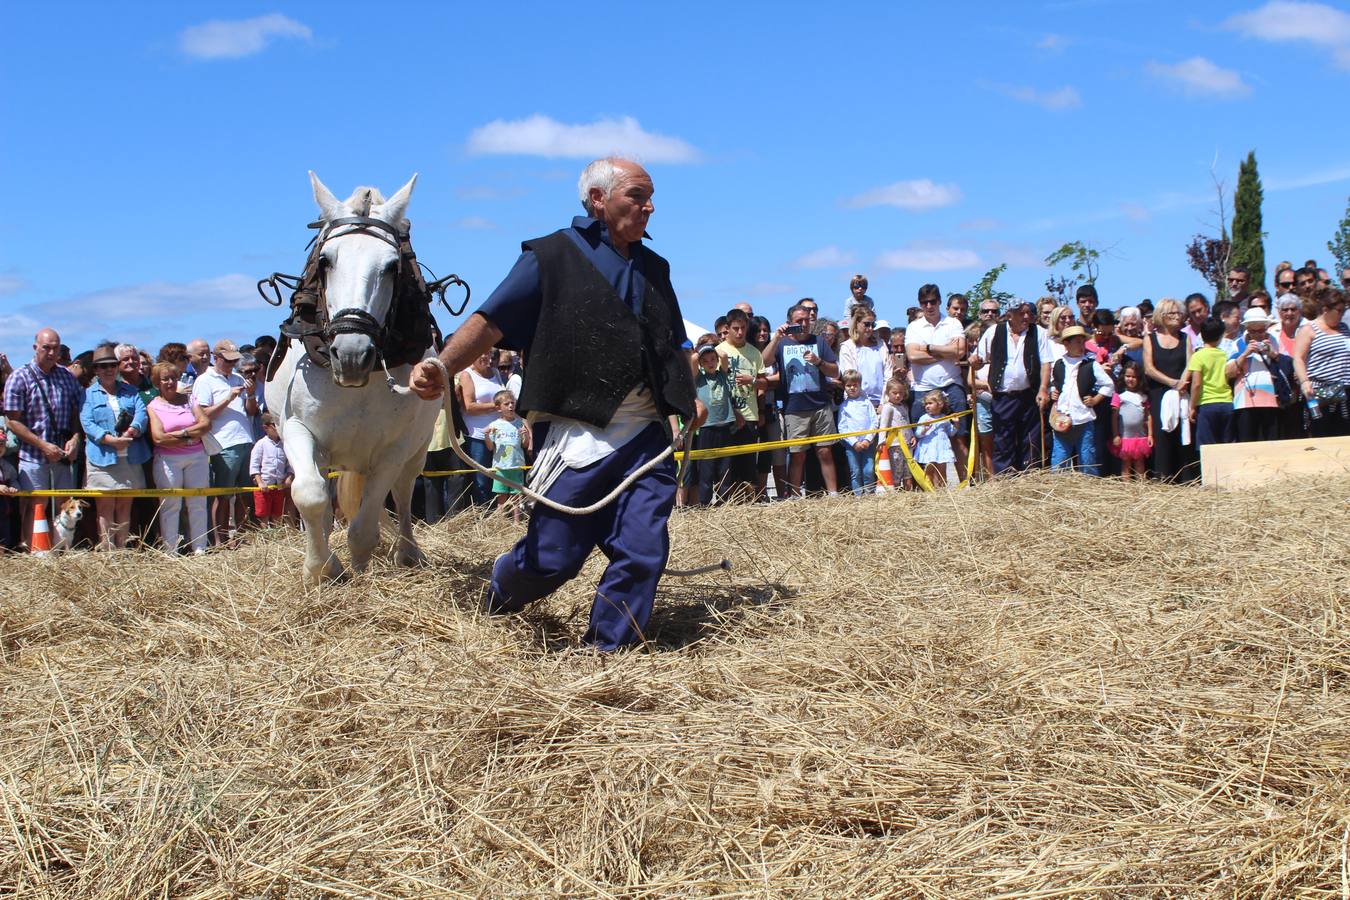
(883, 439)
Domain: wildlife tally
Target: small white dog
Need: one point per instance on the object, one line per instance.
(67, 520)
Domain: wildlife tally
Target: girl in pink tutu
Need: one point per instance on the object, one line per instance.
(1132, 424)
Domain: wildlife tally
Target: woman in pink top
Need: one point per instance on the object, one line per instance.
(176, 427)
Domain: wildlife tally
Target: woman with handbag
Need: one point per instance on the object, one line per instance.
(177, 427)
(1322, 361)
(114, 421)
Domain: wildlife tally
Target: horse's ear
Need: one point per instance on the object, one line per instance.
(396, 205)
(328, 204)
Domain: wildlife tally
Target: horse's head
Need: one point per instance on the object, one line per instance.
(358, 246)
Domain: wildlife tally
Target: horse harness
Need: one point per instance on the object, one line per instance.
(408, 328)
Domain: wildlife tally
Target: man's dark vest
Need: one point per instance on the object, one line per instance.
(590, 349)
(998, 357)
(1087, 377)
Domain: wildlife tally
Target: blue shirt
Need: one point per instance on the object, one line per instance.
(803, 386)
(514, 306)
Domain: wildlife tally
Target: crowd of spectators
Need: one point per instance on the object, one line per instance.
(1133, 392)
(112, 419)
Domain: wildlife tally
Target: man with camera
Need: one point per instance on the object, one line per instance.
(42, 404)
(802, 361)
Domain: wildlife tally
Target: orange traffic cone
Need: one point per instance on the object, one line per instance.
(883, 468)
(41, 544)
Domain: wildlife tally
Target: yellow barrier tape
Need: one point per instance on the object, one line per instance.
(81, 493)
(883, 434)
(801, 442)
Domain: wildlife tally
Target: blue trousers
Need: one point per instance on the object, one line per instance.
(1079, 441)
(1214, 424)
(482, 484)
(631, 532)
(860, 464)
(1017, 431)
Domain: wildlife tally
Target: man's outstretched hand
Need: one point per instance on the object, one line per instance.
(426, 380)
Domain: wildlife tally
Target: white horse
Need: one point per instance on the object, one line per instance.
(339, 418)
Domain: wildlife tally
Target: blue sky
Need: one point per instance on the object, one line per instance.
(155, 155)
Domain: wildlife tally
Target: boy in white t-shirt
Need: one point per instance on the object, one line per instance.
(508, 439)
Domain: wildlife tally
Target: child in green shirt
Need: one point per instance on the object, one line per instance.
(1211, 394)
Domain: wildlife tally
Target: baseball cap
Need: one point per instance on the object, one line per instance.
(707, 348)
(882, 323)
(227, 350)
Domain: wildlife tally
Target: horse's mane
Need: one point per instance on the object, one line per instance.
(363, 198)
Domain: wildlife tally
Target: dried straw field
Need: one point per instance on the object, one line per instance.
(1061, 687)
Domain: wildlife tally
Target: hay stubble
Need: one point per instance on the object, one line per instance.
(1049, 687)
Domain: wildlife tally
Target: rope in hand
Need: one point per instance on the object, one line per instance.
(724, 565)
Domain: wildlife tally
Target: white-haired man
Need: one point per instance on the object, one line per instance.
(600, 391)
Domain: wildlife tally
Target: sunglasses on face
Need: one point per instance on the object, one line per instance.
(1285, 284)
(928, 303)
(987, 312)
(105, 365)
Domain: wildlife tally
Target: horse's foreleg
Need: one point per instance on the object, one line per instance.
(309, 491)
(409, 554)
(363, 531)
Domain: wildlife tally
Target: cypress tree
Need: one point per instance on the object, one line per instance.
(1248, 247)
(1340, 245)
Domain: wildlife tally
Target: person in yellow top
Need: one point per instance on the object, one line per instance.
(746, 369)
(1211, 394)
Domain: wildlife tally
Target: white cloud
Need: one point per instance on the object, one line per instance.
(159, 299)
(234, 38)
(540, 135)
(1063, 98)
(1135, 212)
(18, 325)
(1198, 77)
(1053, 43)
(768, 289)
(1309, 179)
(824, 258)
(11, 284)
(1015, 254)
(1288, 20)
(927, 258)
(916, 196)
(475, 223)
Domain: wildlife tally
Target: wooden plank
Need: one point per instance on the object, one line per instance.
(1256, 463)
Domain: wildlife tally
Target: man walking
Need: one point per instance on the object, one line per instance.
(611, 370)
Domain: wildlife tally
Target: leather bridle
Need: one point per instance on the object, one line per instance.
(310, 322)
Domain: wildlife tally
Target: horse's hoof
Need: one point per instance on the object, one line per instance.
(329, 571)
(411, 558)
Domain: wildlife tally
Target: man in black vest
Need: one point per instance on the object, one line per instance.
(1018, 354)
(610, 369)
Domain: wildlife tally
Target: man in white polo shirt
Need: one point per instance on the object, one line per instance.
(933, 343)
(230, 402)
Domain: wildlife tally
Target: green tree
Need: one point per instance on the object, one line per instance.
(1340, 246)
(1247, 238)
(1083, 260)
(985, 289)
